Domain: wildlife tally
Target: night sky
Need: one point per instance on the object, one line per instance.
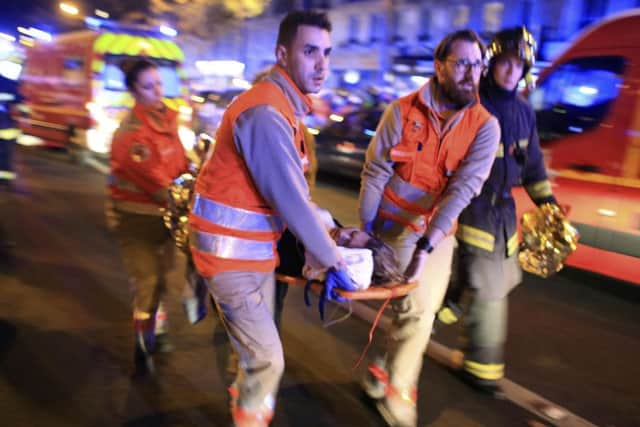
(45, 14)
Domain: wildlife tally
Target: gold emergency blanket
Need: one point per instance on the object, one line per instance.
(176, 216)
(548, 238)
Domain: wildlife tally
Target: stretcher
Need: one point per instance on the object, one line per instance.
(384, 292)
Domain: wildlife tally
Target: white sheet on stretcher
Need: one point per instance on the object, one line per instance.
(359, 260)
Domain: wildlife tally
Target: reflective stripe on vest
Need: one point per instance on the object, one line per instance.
(229, 247)
(405, 203)
(235, 218)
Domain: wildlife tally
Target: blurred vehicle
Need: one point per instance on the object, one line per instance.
(342, 144)
(8, 131)
(74, 90)
(588, 111)
(208, 108)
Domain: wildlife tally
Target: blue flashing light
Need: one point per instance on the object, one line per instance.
(92, 22)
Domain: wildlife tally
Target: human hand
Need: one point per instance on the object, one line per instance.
(416, 265)
(335, 279)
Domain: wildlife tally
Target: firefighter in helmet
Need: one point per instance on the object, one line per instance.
(486, 265)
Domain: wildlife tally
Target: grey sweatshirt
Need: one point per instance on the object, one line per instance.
(465, 183)
(264, 139)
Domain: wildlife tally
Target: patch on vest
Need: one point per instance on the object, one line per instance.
(139, 152)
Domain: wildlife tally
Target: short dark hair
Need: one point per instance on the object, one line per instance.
(290, 23)
(132, 69)
(444, 47)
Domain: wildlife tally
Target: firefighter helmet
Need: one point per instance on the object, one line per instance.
(518, 41)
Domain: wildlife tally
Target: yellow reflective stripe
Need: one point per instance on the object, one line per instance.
(170, 103)
(500, 152)
(487, 371)
(176, 52)
(540, 189)
(512, 244)
(10, 133)
(120, 44)
(523, 143)
(97, 65)
(476, 237)
(102, 43)
(447, 316)
(157, 49)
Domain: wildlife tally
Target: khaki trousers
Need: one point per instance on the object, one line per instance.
(246, 301)
(413, 315)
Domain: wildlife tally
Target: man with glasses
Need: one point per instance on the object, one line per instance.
(432, 152)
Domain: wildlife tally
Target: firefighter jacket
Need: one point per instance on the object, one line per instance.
(254, 184)
(518, 161)
(421, 174)
(146, 155)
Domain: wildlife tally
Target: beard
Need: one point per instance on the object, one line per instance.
(454, 93)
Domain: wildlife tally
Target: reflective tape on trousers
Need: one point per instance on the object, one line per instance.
(235, 218)
(229, 247)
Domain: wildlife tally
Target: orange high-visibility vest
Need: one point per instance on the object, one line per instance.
(424, 161)
(146, 155)
(232, 226)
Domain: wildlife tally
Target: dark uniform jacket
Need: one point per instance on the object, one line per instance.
(488, 225)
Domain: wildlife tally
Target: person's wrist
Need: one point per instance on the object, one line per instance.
(424, 244)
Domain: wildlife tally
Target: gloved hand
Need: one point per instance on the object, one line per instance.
(416, 265)
(335, 279)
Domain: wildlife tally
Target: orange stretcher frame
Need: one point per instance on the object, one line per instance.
(391, 290)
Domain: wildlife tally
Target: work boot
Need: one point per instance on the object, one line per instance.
(163, 343)
(399, 408)
(249, 418)
(145, 341)
(375, 380)
(489, 387)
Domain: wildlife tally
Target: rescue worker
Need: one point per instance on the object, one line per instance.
(245, 194)
(432, 151)
(486, 260)
(146, 155)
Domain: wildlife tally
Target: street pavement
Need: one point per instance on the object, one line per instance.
(66, 344)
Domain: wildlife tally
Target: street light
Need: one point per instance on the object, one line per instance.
(102, 14)
(69, 8)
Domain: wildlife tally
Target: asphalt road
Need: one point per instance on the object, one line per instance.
(66, 345)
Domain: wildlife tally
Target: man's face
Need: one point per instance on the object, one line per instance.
(459, 74)
(507, 71)
(147, 90)
(307, 59)
(349, 237)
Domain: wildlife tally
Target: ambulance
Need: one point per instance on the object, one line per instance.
(74, 91)
(587, 106)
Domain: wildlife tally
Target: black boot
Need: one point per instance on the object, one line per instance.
(488, 387)
(144, 347)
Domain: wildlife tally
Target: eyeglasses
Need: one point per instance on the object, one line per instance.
(463, 64)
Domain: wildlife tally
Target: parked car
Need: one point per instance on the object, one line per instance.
(208, 108)
(342, 144)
